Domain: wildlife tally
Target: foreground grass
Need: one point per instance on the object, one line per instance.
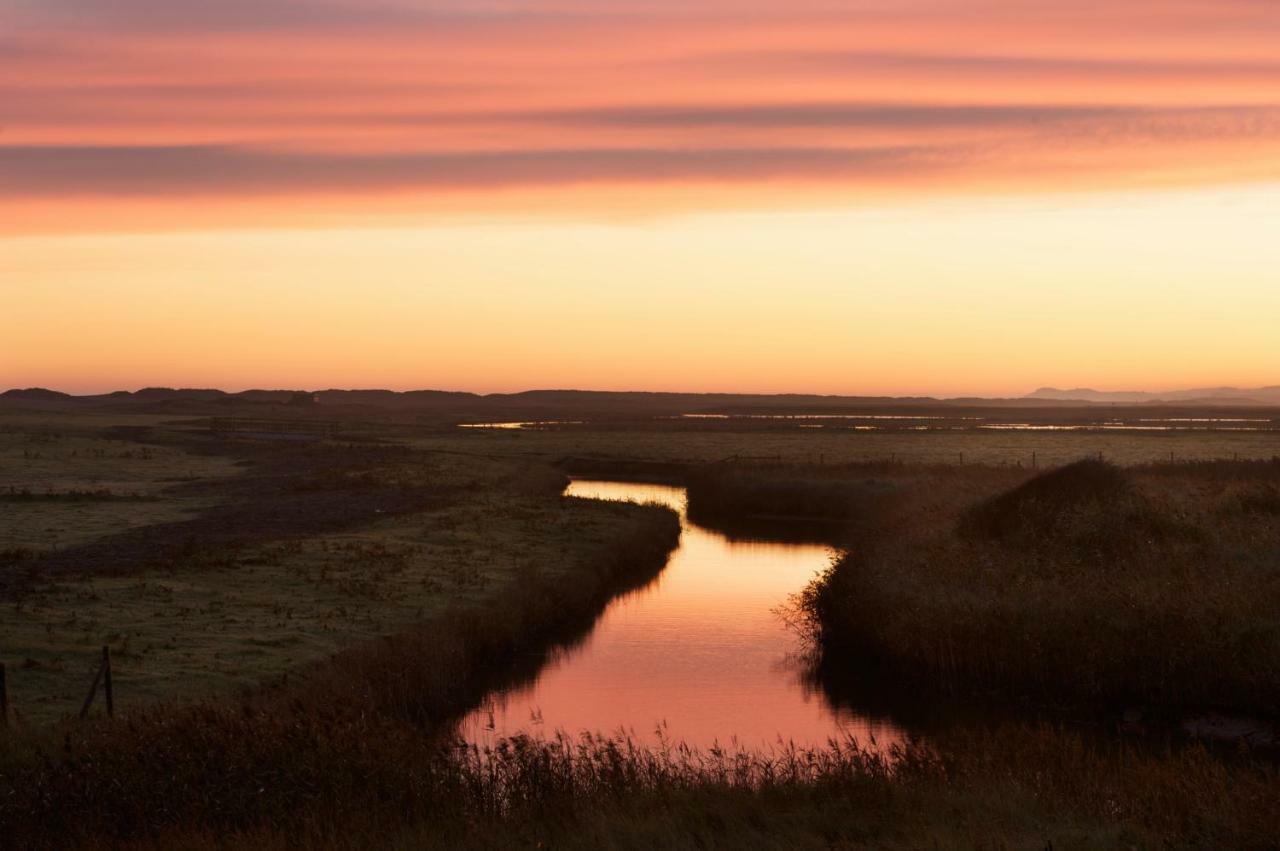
(209, 565)
(212, 625)
(1023, 788)
(355, 750)
(356, 734)
(1156, 585)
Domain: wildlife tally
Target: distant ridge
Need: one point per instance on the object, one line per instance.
(34, 393)
(533, 404)
(1200, 395)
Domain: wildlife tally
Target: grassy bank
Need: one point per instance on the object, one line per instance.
(208, 582)
(1156, 585)
(1026, 787)
(354, 735)
(63, 484)
(836, 501)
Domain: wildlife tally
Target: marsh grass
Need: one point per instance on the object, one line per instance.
(664, 448)
(835, 495)
(1018, 787)
(14, 494)
(1086, 584)
(216, 620)
(355, 750)
(63, 485)
(357, 732)
(222, 582)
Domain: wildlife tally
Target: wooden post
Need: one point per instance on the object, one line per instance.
(93, 690)
(1033, 460)
(4, 699)
(961, 459)
(106, 681)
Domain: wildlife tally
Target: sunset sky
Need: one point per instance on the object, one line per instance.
(902, 196)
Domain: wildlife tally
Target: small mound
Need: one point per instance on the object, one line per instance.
(37, 393)
(1038, 504)
(1260, 499)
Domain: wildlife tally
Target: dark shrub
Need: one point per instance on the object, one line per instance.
(1262, 499)
(1037, 506)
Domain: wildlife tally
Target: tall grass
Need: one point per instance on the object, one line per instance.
(966, 579)
(358, 733)
(1025, 787)
(811, 497)
(1090, 583)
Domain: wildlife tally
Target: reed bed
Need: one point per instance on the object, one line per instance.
(357, 733)
(1156, 586)
(1018, 787)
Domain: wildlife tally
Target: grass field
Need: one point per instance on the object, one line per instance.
(228, 616)
(1017, 787)
(708, 444)
(1152, 586)
(333, 607)
(45, 465)
(222, 614)
(215, 624)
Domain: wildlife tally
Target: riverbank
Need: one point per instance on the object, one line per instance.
(1155, 586)
(244, 559)
(343, 739)
(1021, 787)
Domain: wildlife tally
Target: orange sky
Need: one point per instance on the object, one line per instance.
(499, 195)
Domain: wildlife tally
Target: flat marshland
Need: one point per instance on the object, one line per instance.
(1153, 587)
(296, 625)
(290, 554)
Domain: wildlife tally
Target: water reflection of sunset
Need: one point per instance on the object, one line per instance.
(700, 653)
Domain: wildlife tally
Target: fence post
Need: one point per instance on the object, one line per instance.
(4, 699)
(93, 691)
(106, 681)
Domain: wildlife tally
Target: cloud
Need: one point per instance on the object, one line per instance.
(1010, 65)
(34, 171)
(1067, 132)
(833, 115)
(136, 98)
(204, 16)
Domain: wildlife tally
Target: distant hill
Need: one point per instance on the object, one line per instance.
(37, 394)
(1200, 395)
(440, 406)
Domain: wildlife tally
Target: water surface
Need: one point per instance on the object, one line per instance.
(701, 653)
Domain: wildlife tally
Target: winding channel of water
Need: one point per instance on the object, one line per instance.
(700, 654)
